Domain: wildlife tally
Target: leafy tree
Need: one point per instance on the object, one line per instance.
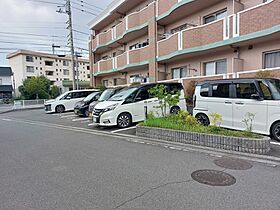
(54, 92)
(35, 87)
(264, 74)
(166, 99)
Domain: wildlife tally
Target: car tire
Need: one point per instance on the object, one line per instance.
(60, 109)
(203, 119)
(275, 131)
(175, 110)
(124, 120)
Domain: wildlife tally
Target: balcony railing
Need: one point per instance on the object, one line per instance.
(129, 22)
(194, 37)
(165, 5)
(259, 18)
(121, 61)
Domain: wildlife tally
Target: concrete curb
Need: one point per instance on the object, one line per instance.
(22, 109)
(208, 150)
(238, 144)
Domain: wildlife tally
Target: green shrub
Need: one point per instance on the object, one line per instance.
(216, 119)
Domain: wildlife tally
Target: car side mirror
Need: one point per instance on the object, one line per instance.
(256, 96)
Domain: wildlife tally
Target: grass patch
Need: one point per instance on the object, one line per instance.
(171, 122)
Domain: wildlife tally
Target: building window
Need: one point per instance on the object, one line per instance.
(49, 63)
(49, 73)
(215, 16)
(88, 76)
(29, 58)
(65, 63)
(215, 67)
(180, 72)
(272, 59)
(65, 72)
(30, 69)
(88, 68)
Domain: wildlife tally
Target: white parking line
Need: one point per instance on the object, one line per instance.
(91, 124)
(275, 143)
(69, 116)
(124, 129)
(80, 119)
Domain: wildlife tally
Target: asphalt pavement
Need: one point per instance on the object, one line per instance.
(54, 162)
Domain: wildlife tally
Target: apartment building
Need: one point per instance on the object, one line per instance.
(58, 69)
(6, 84)
(155, 40)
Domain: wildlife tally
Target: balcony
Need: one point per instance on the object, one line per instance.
(128, 59)
(130, 27)
(194, 37)
(259, 18)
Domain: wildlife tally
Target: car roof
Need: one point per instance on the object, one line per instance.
(87, 90)
(234, 80)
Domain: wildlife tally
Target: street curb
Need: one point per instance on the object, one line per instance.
(23, 109)
(254, 157)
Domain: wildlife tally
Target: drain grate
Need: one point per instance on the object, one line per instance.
(213, 178)
(233, 164)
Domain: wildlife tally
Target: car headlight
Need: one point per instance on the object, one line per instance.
(110, 108)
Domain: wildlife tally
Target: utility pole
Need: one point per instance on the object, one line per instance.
(53, 48)
(70, 36)
(77, 69)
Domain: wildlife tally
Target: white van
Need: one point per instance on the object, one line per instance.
(128, 106)
(66, 101)
(235, 98)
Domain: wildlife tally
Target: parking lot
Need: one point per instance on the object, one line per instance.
(72, 121)
(67, 119)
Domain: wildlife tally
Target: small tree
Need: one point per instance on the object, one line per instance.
(190, 89)
(166, 99)
(35, 87)
(216, 119)
(54, 92)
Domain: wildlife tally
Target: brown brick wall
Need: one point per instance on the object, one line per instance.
(122, 60)
(203, 35)
(139, 55)
(106, 65)
(165, 5)
(104, 38)
(260, 18)
(120, 29)
(168, 46)
(142, 17)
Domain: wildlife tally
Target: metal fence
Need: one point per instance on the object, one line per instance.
(18, 104)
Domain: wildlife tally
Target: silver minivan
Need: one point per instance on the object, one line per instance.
(235, 98)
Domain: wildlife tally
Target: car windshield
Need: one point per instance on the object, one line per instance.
(106, 95)
(274, 85)
(90, 96)
(123, 94)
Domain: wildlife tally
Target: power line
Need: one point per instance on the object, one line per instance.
(82, 10)
(80, 32)
(83, 6)
(46, 2)
(31, 34)
(21, 43)
(84, 2)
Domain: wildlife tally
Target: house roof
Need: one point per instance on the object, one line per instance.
(6, 71)
(6, 88)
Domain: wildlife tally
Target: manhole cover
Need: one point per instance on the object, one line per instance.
(213, 178)
(233, 164)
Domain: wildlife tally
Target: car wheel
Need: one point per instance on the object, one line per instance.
(124, 120)
(175, 110)
(60, 109)
(87, 113)
(203, 119)
(275, 131)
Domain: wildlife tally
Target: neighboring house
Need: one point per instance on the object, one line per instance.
(6, 84)
(149, 41)
(58, 69)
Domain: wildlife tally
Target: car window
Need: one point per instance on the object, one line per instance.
(143, 95)
(220, 90)
(265, 90)
(176, 87)
(67, 96)
(245, 90)
(204, 90)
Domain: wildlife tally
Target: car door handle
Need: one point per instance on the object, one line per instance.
(228, 102)
(239, 103)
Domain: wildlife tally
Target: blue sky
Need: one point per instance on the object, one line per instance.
(20, 17)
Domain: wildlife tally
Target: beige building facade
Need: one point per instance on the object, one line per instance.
(156, 40)
(58, 69)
